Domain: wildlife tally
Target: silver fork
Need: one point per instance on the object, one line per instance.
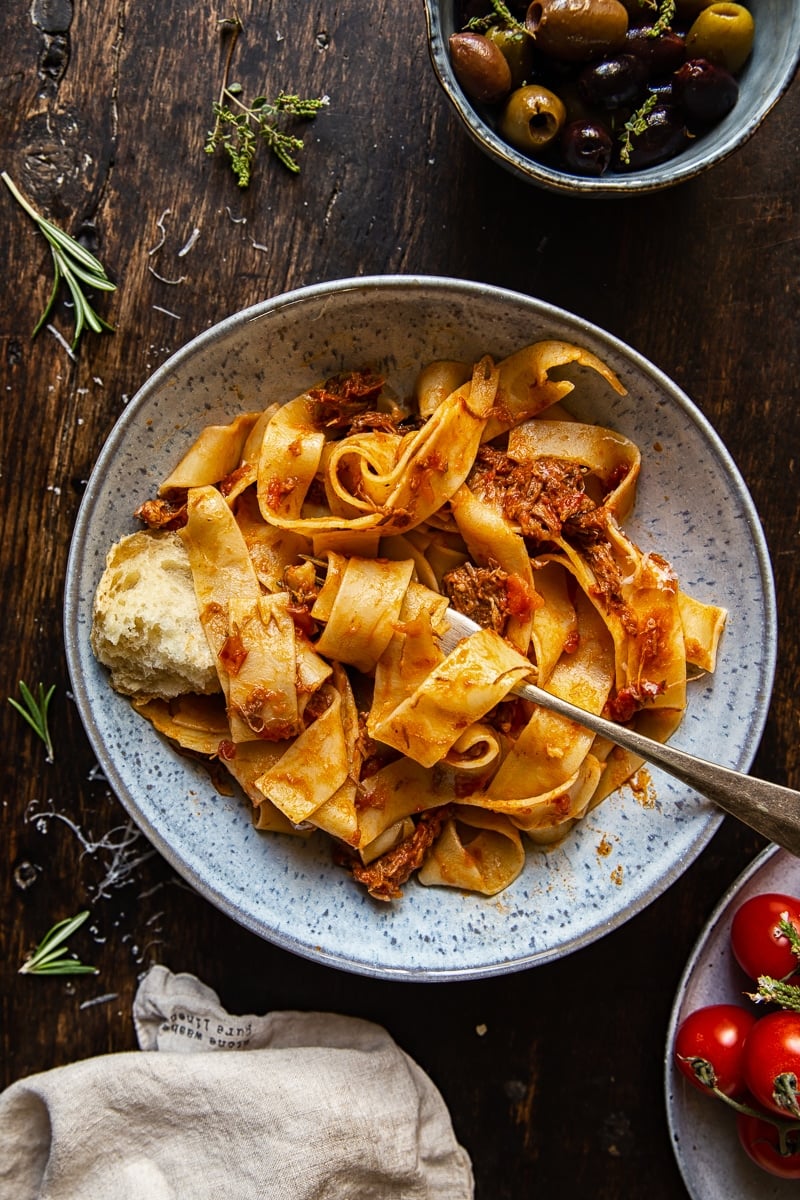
(769, 808)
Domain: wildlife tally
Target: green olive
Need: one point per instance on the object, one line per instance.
(516, 48)
(480, 67)
(532, 117)
(722, 33)
(577, 30)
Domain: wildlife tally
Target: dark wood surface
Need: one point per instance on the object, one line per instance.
(105, 110)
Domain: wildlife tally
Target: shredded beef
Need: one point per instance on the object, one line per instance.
(340, 399)
(540, 495)
(382, 421)
(383, 878)
(480, 593)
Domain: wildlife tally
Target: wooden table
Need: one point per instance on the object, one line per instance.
(106, 110)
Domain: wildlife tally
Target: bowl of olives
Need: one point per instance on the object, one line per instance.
(612, 97)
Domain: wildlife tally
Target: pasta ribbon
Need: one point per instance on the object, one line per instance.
(471, 680)
(478, 851)
(216, 453)
(360, 619)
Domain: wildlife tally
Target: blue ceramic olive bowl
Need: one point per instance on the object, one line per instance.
(763, 80)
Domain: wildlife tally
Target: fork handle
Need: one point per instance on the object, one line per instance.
(769, 808)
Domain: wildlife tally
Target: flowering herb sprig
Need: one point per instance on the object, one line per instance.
(238, 127)
(785, 992)
(500, 15)
(635, 126)
(666, 15)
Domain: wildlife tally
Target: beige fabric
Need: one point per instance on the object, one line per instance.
(290, 1106)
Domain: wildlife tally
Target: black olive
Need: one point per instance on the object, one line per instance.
(663, 136)
(586, 147)
(661, 55)
(705, 93)
(613, 82)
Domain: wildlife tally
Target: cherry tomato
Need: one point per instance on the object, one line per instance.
(771, 1062)
(757, 943)
(774, 1150)
(714, 1035)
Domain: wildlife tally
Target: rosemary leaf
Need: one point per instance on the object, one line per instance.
(66, 966)
(50, 956)
(34, 711)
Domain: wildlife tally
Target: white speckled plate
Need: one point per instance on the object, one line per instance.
(703, 1131)
(693, 507)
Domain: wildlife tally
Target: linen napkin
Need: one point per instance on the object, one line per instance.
(287, 1106)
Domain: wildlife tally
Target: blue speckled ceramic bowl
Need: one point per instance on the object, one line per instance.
(763, 80)
(692, 506)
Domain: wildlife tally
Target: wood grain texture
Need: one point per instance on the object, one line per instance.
(553, 1076)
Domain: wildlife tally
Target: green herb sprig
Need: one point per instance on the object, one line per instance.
(777, 991)
(506, 16)
(34, 711)
(50, 956)
(73, 264)
(666, 15)
(634, 126)
(785, 992)
(238, 127)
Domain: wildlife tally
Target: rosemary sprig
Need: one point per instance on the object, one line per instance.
(238, 126)
(50, 956)
(73, 264)
(34, 711)
(635, 125)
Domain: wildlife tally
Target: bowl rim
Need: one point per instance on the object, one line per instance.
(76, 634)
(633, 183)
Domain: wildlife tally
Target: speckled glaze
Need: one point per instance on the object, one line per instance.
(763, 80)
(692, 506)
(703, 1131)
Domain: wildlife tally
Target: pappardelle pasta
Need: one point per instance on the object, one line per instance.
(326, 538)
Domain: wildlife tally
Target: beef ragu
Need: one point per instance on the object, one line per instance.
(320, 543)
(480, 593)
(384, 877)
(540, 496)
(344, 398)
